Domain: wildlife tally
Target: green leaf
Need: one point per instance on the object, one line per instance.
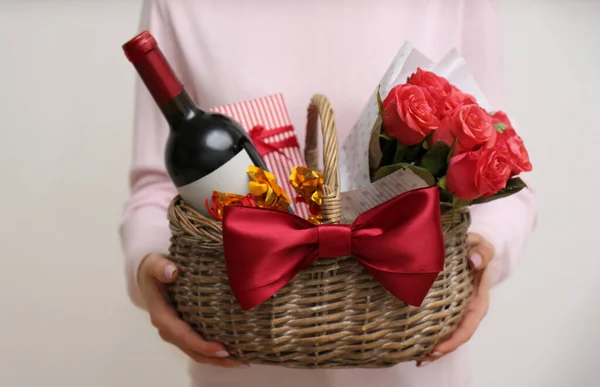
(379, 100)
(445, 196)
(386, 137)
(375, 146)
(419, 171)
(377, 125)
(443, 183)
(388, 151)
(400, 153)
(513, 186)
(384, 171)
(413, 153)
(463, 203)
(452, 148)
(500, 127)
(436, 159)
(423, 174)
(425, 142)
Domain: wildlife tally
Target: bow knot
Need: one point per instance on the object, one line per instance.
(400, 243)
(269, 141)
(335, 240)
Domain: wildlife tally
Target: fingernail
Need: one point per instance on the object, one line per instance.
(170, 271)
(222, 354)
(244, 366)
(476, 260)
(424, 364)
(436, 354)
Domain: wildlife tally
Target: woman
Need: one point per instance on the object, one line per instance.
(229, 51)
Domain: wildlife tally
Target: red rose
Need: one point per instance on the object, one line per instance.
(500, 116)
(517, 153)
(408, 114)
(471, 125)
(478, 174)
(437, 86)
(508, 137)
(455, 100)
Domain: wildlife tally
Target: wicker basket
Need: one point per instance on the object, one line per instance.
(333, 314)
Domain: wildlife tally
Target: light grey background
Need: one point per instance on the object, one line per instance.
(65, 117)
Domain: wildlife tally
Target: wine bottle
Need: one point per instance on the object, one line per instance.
(205, 151)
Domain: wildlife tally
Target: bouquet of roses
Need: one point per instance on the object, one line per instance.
(443, 135)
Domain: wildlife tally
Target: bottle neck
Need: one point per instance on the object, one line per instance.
(179, 108)
(160, 79)
(158, 76)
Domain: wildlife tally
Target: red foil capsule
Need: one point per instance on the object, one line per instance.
(160, 79)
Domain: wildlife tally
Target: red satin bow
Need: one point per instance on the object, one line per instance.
(259, 136)
(400, 243)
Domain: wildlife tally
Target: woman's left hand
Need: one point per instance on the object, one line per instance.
(480, 254)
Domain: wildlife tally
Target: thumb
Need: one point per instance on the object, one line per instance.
(480, 253)
(159, 267)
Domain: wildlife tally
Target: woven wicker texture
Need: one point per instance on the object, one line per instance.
(333, 314)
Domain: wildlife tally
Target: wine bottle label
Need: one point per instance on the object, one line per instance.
(232, 177)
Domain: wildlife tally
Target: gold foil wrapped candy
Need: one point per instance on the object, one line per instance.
(308, 184)
(266, 193)
(221, 199)
(316, 218)
(263, 185)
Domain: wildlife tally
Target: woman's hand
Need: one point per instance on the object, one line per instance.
(480, 254)
(154, 272)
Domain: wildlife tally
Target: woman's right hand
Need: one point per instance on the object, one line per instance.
(154, 272)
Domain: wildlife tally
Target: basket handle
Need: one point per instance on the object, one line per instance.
(321, 108)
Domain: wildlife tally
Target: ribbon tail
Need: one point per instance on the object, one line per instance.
(251, 298)
(407, 287)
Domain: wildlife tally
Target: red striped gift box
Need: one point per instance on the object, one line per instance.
(267, 121)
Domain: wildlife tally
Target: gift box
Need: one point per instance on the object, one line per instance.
(268, 123)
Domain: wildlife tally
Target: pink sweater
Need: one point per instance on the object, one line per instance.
(227, 51)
